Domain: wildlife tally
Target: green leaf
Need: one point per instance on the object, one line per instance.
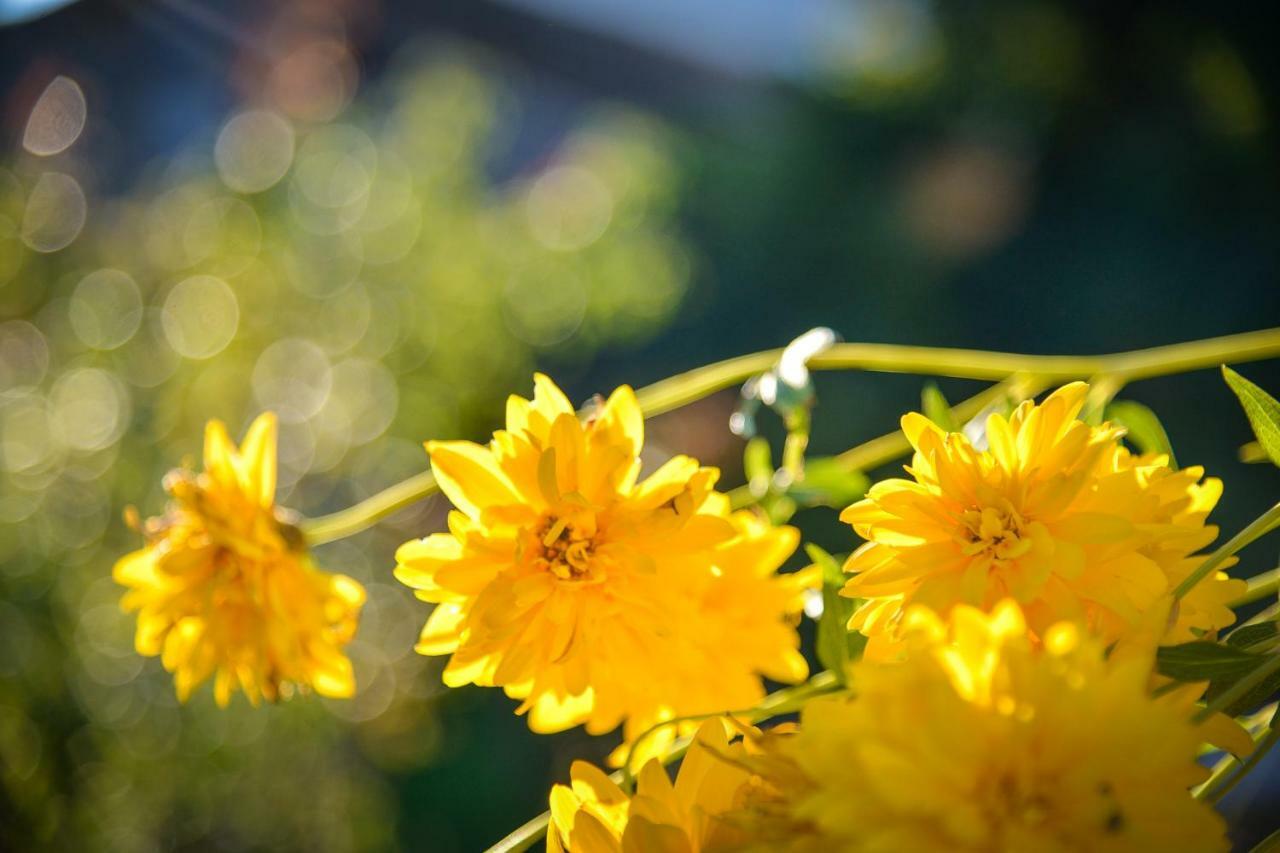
(836, 645)
(1262, 637)
(1262, 410)
(936, 408)
(828, 482)
(1222, 666)
(1205, 661)
(1143, 429)
(1250, 701)
(832, 573)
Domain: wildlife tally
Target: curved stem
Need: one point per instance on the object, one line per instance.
(1223, 779)
(693, 385)
(371, 510)
(885, 448)
(1265, 585)
(1256, 529)
(779, 702)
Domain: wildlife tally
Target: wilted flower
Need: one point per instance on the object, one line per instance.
(226, 588)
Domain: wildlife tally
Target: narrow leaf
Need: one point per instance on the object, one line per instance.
(1262, 410)
(1255, 638)
(937, 409)
(1142, 428)
(1254, 699)
(1205, 661)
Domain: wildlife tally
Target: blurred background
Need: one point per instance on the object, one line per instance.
(377, 218)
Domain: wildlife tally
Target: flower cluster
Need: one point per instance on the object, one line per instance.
(225, 588)
(977, 739)
(1052, 512)
(1014, 592)
(594, 596)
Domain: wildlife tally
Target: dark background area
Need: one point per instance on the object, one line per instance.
(1038, 177)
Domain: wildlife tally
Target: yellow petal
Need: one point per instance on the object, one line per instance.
(469, 476)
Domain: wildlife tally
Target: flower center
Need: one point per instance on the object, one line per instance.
(1025, 804)
(994, 531)
(566, 548)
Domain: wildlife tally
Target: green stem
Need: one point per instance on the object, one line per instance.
(371, 510)
(1259, 527)
(1270, 844)
(1265, 585)
(693, 385)
(1223, 779)
(890, 446)
(779, 702)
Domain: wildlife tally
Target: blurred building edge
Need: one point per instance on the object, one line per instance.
(17, 11)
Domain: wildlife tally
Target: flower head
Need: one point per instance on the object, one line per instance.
(1053, 513)
(980, 740)
(594, 815)
(225, 587)
(594, 597)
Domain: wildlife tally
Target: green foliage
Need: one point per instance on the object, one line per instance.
(1142, 428)
(1262, 410)
(837, 646)
(936, 408)
(1202, 660)
(757, 465)
(376, 291)
(1262, 637)
(828, 482)
(1224, 665)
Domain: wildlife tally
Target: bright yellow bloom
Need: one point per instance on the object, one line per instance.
(1054, 513)
(225, 587)
(981, 741)
(593, 815)
(590, 596)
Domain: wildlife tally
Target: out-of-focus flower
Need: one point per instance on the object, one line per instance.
(225, 587)
(1054, 513)
(590, 596)
(981, 739)
(594, 815)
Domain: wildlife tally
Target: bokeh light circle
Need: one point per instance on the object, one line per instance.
(254, 150)
(89, 408)
(55, 213)
(200, 316)
(57, 119)
(292, 377)
(106, 309)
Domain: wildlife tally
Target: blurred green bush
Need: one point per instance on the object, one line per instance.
(368, 281)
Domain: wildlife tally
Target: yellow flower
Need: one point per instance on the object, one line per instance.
(225, 587)
(981, 741)
(1054, 513)
(594, 815)
(590, 596)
